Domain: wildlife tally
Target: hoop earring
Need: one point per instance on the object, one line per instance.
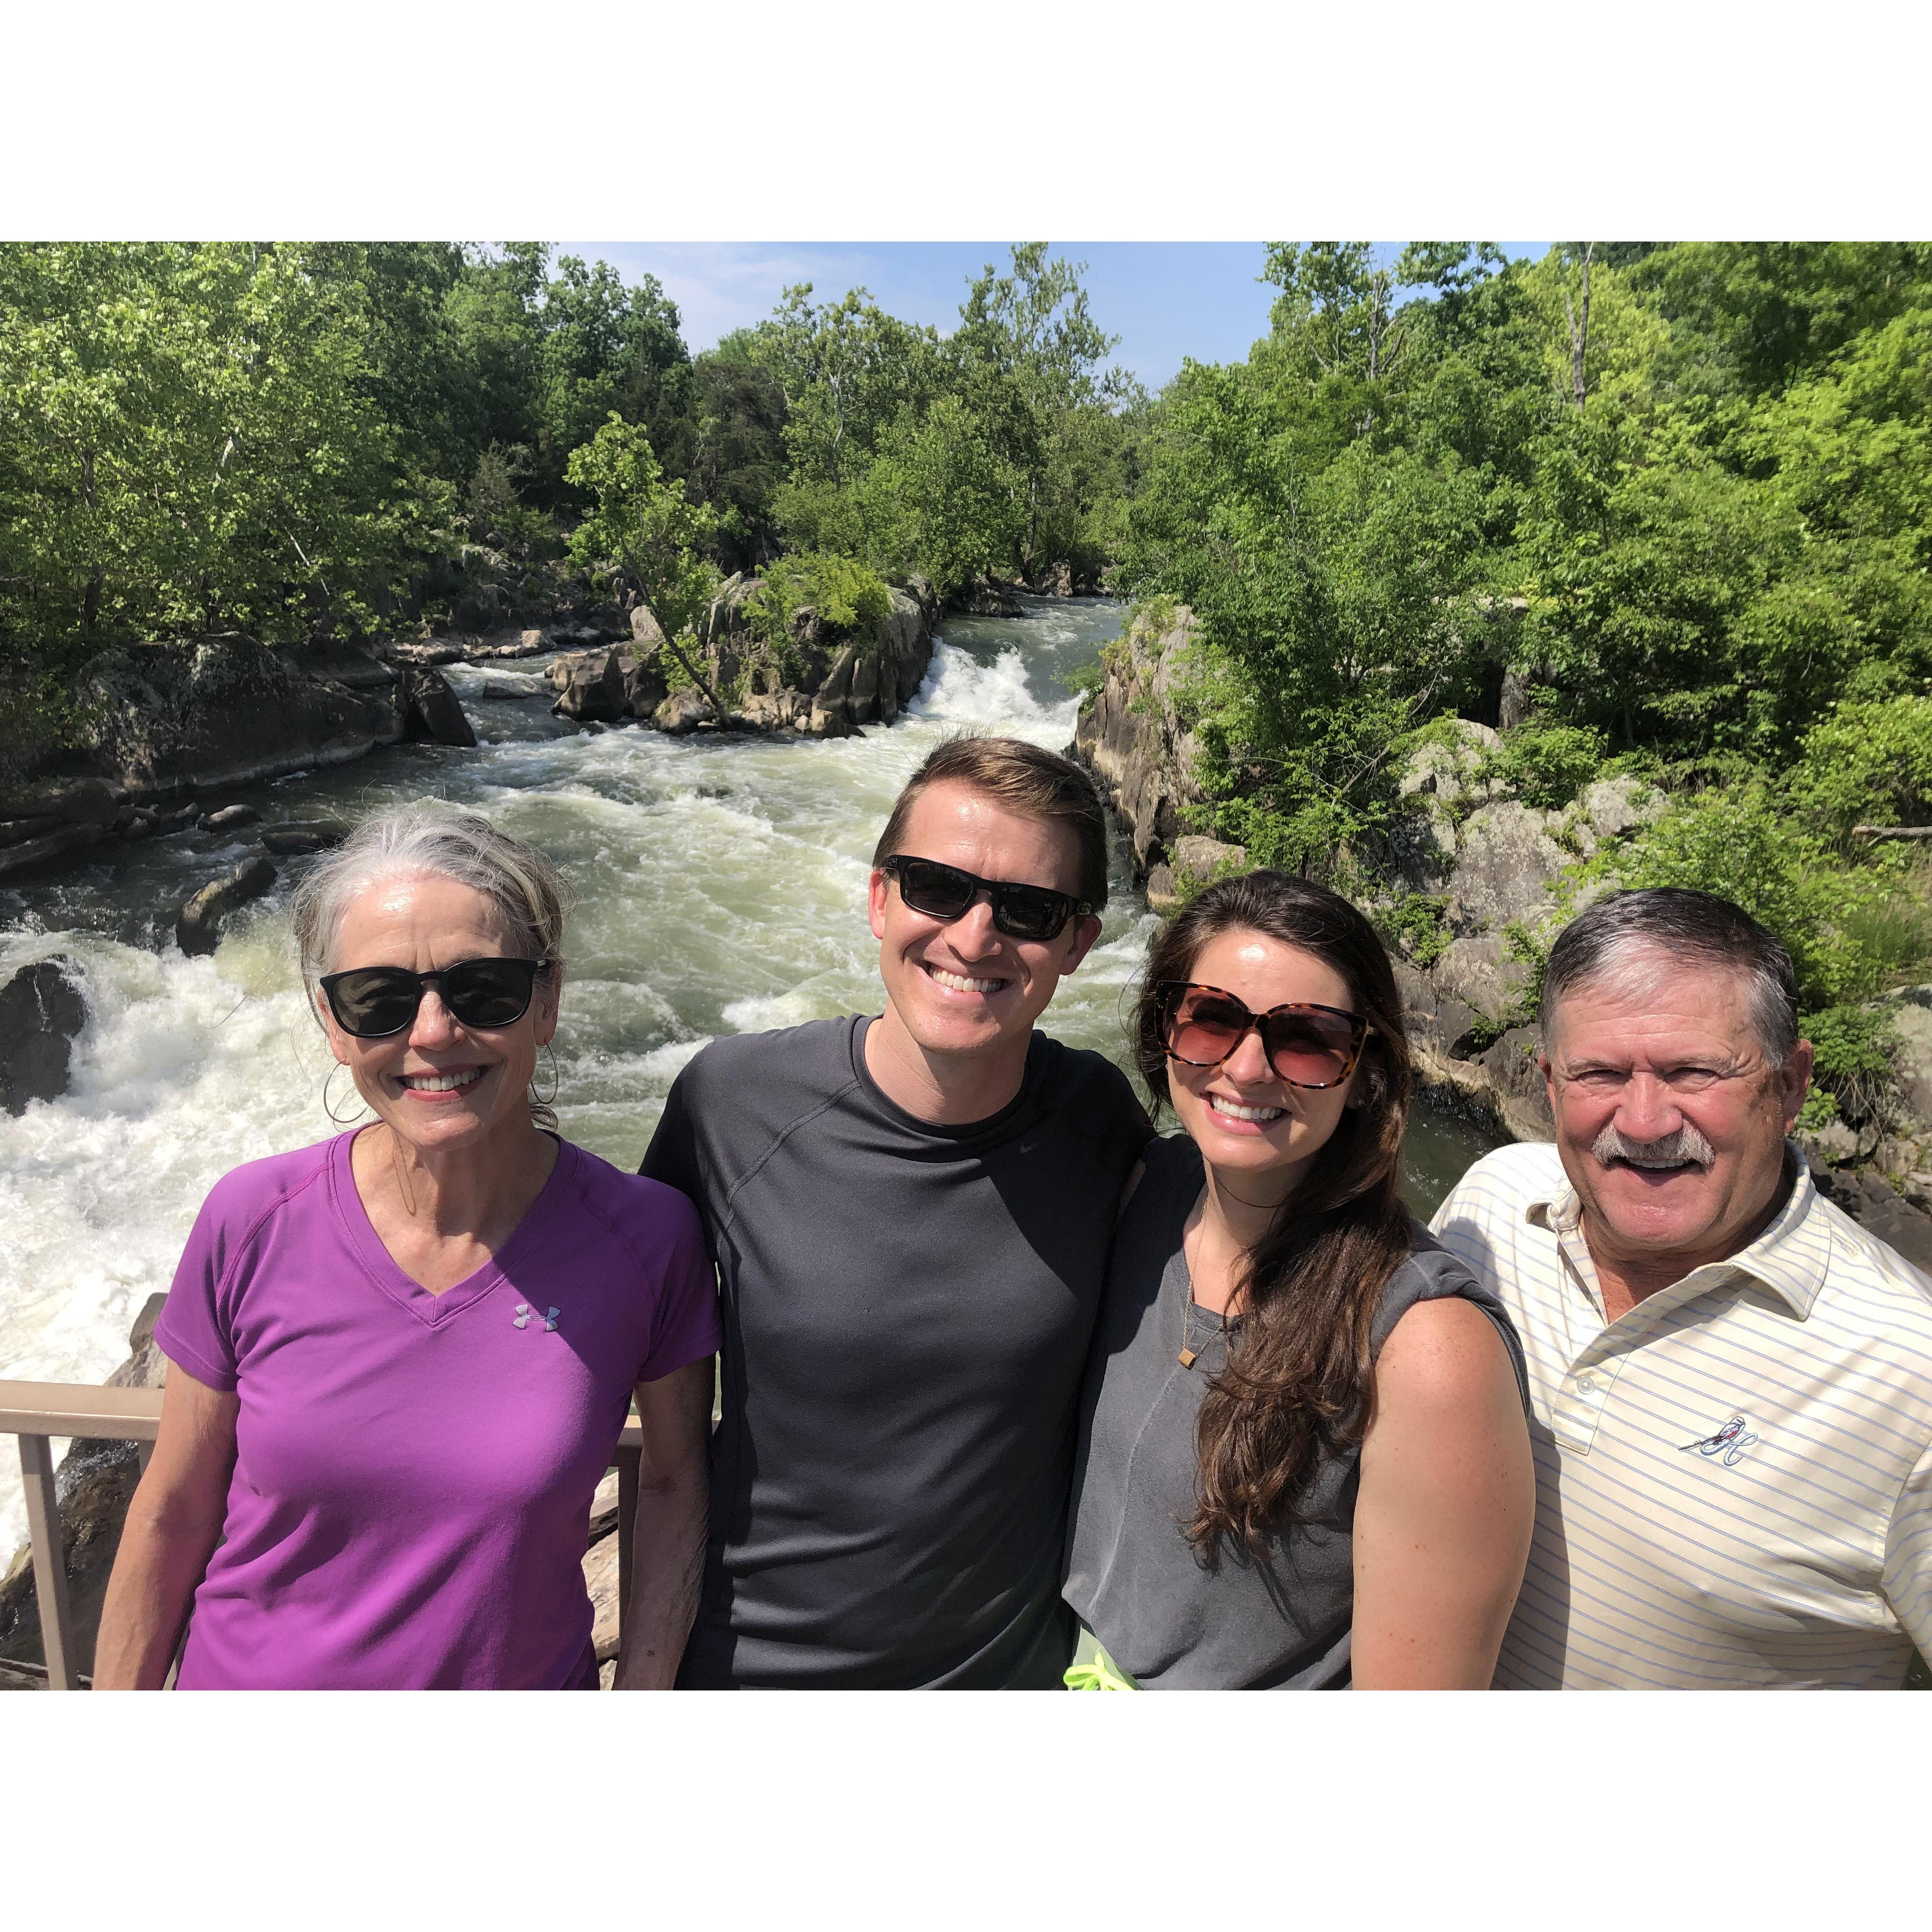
(544, 1100)
(329, 1108)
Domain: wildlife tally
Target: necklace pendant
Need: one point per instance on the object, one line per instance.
(1188, 1357)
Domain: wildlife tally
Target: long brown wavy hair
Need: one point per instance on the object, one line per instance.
(1301, 1381)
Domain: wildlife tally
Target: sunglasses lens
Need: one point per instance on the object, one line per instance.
(1205, 1028)
(377, 1001)
(940, 892)
(1029, 912)
(1311, 1049)
(489, 992)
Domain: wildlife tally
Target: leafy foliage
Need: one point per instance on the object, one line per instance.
(642, 526)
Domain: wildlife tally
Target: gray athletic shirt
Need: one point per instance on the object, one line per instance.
(907, 1311)
(1169, 1621)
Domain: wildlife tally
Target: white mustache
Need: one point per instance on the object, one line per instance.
(1686, 1145)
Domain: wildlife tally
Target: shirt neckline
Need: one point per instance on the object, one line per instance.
(938, 1130)
(1795, 1271)
(434, 1311)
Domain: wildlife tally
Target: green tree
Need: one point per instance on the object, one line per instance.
(648, 530)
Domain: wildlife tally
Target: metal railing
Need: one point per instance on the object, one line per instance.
(37, 1412)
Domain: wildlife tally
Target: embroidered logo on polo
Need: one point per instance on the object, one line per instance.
(522, 1318)
(1729, 1444)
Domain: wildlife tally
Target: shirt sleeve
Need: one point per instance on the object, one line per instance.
(193, 1329)
(1906, 1580)
(672, 1156)
(686, 1327)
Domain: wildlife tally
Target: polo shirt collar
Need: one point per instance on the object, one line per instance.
(1794, 1269)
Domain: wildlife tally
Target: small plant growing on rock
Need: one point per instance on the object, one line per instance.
(1415, 927)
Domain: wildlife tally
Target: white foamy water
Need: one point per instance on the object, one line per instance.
(722, 889)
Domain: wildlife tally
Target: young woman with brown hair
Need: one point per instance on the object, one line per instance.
(1304, 1460)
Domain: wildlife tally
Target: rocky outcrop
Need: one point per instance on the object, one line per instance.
(41, 1011)
(1132, 737)
(216, 713)
(198, 927)
(827, 683)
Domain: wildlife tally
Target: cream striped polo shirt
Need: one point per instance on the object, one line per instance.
(1734, 1480)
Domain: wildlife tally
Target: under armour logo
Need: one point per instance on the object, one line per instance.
(1729, 1443)
(522, 1318)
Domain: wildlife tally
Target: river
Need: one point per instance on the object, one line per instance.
(722, 888)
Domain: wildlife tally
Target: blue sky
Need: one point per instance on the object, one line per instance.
(1163, 299)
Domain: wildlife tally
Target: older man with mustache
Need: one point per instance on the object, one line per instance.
(1732, 1380)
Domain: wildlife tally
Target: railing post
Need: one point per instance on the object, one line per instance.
(43, 1530)
(627, 1530)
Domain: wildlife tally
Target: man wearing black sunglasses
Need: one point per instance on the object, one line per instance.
(910, 1216)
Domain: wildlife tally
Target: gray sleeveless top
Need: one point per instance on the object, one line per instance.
(1167, 1619)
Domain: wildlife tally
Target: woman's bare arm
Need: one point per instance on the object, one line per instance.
(173, 1523)
(667, 1550)
(1447, 1505)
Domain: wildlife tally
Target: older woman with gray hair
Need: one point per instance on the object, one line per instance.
(399, 1360)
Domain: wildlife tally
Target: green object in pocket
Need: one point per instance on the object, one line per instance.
(1093, 1670)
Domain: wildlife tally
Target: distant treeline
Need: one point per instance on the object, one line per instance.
(204, 436)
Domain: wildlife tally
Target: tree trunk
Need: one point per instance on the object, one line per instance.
(1580, 330)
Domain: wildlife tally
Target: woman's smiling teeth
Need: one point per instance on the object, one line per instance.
(959, 983)
(1256, 1116)
(442, 1083)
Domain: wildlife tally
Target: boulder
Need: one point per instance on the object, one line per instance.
(230, 818)
(221, 712)
(295, 838)
(198, 928)
(1478, 973)
(988, 597)
(1910, 1012)
(1613, 805)
(1206, 859)
(645, 686)
(1437, 1018)
(1163, 892)
(1522, 1098)
(431, 711)
(646, 631)
(590, 687)
(1505, 858)
(1054, 580)
(683, 711)
(352, 664)
(43, 824)
(41, 1010)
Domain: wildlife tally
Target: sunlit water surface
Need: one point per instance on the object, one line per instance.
(722, 888)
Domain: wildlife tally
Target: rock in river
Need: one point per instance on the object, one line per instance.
(429, 708)
(295, 837)
(41, 1009)
(230, 818)
(199, 928)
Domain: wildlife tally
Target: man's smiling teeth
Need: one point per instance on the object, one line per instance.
(1235, 1112)
(442, 1083)
(961, 985)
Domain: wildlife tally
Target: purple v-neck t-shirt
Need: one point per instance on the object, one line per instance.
(413, 1472)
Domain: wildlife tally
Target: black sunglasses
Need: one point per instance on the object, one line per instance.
(944, 892)
(372, 1002)
(1306, 1046)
